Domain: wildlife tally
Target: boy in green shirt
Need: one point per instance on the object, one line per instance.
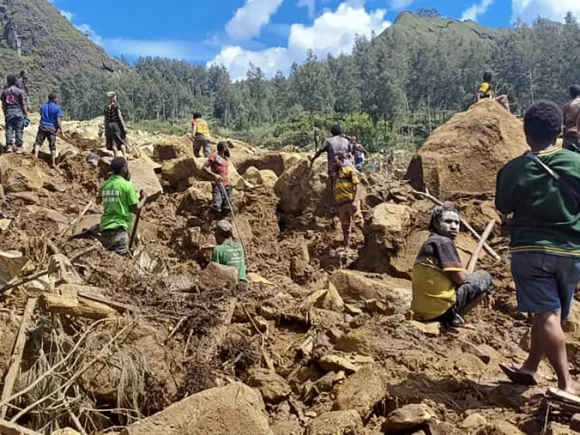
(119, 199)
(545, 239)
(228, 252)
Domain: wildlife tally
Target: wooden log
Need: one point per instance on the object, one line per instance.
(76, 307)
(463, 221)
(475, 255)
(7, 428)
(24, 281)
(17, 351)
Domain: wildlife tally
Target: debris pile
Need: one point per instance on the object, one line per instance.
(319, 343)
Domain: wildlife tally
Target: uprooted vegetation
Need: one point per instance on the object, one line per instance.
(319, 343)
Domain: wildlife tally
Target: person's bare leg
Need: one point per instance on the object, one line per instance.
(123, 150)
(553, 341)
(346, 235)
(35, 151)
(53, 158)
(115, 150)
(536, 354)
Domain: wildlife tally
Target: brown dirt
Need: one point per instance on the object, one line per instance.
(293, 243)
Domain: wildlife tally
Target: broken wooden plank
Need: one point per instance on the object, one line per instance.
(76, 307)
(17, 351)
(482, 241)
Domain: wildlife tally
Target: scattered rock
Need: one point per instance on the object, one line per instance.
(408, 417)
(363, 390)
(217, 275)
(11, 263)
(335, 363)
(327, 299)
(288, 428)
(144, 177)
(474, 421)
(235, 408)
(336, 423)
(326, 383)
(197, 199)
(432, 329)
(575, 422)
(355, 341)
(499, 428)
(272, 386)
(558, 429)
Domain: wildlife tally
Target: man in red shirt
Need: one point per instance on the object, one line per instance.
(217, 165)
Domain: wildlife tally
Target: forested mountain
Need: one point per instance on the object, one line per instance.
(400, 84)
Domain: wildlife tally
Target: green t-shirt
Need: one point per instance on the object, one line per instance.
(232, 254)
(546, 216)
(118, 196)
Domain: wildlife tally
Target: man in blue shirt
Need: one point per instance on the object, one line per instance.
(50, 125)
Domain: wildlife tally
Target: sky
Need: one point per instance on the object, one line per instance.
(271, 34)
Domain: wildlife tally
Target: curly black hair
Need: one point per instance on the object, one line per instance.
(574, 91)
(335, 130)
(487, 77)
(437, 215)
(543, 121)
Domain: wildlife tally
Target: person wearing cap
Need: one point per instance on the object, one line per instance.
(115, 128)
(217, 166)
(119, 198)
(228, 252)
(200, 135)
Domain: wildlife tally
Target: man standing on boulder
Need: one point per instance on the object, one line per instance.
(572, 121)
(50, 125)
(200, 135)
(217, 166)
(228, 252)
(15, 107)
(545, 239)
(443, 291)
(486, 92)
(119, 199)
(337, 144)
(347, 197)
(115, 128)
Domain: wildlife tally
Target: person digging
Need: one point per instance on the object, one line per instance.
(347, 196)
(545, 239)
(217, 166)
(443, 291)
(228, 252)
(50, 126)
(119, 198)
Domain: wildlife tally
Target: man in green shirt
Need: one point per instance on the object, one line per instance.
(545, 239)
(119, 198)
(229, 252)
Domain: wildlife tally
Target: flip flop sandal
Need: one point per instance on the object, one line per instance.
(518, 377)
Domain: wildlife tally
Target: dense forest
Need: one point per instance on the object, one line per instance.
(392, 91)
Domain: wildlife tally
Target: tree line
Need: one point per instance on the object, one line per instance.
(396, 88)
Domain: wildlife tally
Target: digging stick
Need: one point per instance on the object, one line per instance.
(463, 221)
(17, 351)
(134, 232)
(76, 220)
(475, 255)
(234, 218)
(24, 280)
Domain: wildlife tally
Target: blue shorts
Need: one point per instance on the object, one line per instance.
(545, 283)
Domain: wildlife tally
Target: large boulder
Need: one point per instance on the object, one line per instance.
(303, 188)
(336, 423)
(354, 286)
(186, 170)
(463, 155)
(362, 391)
(264, 177)
(276, 162)
(19, 178)
(234, 409)
(144, 177)
(197, 199)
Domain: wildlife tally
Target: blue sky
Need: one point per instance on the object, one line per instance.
(269, 33)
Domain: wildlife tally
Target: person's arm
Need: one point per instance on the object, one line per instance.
(458, 277)
(59, 123)
(135, 207)
(121, 119)
(503, 193)
(193, 130)
(450, 261)
(319, 152)
(25, 106)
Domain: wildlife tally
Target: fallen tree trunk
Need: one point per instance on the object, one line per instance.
(16, 358)
(76, 307)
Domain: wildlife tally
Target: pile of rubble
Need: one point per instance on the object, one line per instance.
(321, 342)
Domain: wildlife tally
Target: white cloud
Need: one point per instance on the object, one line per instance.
(250, 18)
(401, 4)
(68, 15)
(331, 33)
(473, 12)
(308, 4)
(529, 10)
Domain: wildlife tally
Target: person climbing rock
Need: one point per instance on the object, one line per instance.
(119, 198)
(337, 144)
(572, 121)
(486, 92)
(360, 153)
(50, 125)
(228, 252)
(545, 239)
(218, 166)
(443, 291)
(200, 135)
(347, 196)
(115, 128)
(15, 107)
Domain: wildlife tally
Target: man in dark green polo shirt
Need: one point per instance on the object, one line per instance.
(119, 198)
(545, 239)
(229, 252)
